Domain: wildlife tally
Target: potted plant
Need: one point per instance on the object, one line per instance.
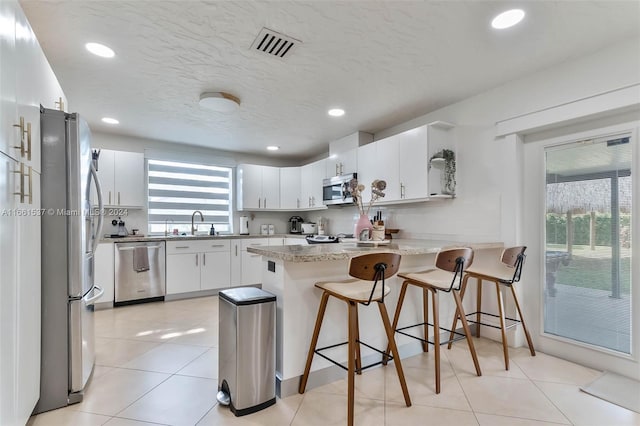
(445, 160)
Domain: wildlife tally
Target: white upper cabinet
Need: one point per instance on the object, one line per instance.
(28, 90)
(388, 166)
(311, 176)
(290, 188)
(413, 164)
(9, 135)
(368, 168)
(270, 187)
(343, 154)
(121, 177)
(26, 82)
(342, 163)
(402, 160)
(128, 179)
(258, 187)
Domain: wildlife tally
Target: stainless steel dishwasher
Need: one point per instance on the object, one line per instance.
(140, 272)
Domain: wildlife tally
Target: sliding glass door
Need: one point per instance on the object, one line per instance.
(587, 244)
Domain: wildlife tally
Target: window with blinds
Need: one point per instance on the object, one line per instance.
(178, 189)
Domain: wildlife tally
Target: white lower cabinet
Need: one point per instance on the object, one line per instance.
(183, 272)
(104, 272)
(251, 262)
(236, 263)
(215, 271)
(198, 265)
(292, 241)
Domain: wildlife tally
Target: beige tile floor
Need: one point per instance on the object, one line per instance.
(157, 364)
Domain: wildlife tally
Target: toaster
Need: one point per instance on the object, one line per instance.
(309, 228)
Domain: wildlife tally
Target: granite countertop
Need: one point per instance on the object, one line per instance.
(138, 238)
(341, 251)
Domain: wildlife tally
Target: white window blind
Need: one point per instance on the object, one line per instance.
(177, 189)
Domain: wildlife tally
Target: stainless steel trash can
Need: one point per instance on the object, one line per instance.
(247, 350)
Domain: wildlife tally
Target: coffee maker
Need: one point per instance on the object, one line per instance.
(295, 225)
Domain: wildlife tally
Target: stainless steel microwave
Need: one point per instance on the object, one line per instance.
(335, 190)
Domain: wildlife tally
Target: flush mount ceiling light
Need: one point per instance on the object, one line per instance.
(336, 112)
(219, 101)
(100, 50)
(273, 148)
(507, 19)
(110, 120)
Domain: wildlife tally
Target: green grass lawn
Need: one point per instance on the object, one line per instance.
(592, 268)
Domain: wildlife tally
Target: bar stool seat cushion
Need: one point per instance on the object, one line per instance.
(354, 289)
(436, 278)
(493, 270)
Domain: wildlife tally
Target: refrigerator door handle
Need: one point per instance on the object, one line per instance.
(96, 237)
(98, 295)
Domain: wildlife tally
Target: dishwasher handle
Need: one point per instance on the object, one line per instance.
(133, 248)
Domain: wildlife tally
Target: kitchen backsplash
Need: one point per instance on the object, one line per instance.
(133, 219)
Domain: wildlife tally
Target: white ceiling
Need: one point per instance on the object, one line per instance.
(384, 62)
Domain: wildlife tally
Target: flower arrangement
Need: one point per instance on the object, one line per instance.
(355, 188)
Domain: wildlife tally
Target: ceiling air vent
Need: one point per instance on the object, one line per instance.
(273, 43)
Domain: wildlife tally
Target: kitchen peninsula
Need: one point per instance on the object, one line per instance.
(290, 272)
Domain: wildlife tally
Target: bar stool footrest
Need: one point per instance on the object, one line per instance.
(486, 324)
(357, 370)
(458, 336)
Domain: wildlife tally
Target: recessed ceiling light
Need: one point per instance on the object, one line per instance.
(219, 101)
(110, 120)
(336, 112)
(100, 50)
(507, 19)
(273, 148)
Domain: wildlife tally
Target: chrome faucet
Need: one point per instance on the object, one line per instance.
(193, 227)
(166, 226)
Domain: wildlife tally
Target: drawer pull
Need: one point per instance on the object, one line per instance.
(217, 245)
(182, 247)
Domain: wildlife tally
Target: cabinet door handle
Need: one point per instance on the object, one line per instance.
(401, 190)
(265, 203)
(30, 186)
(196, 259)
(21, 146)
(60, 104)
(21, 173)
(118, 197)
(236, 250)
(309, 201)
(109, 197)
(259, 205)
(28, 150)
(204, 259)
(297, 203)
(337, 169)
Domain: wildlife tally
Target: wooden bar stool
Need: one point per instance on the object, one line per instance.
(449, 268)
(504, 271)
(369, 272)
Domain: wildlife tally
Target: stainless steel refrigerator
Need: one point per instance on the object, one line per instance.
(70, 234)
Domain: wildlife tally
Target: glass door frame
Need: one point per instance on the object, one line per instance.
(534, 181)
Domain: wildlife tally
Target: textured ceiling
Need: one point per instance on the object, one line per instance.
(384, 62)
